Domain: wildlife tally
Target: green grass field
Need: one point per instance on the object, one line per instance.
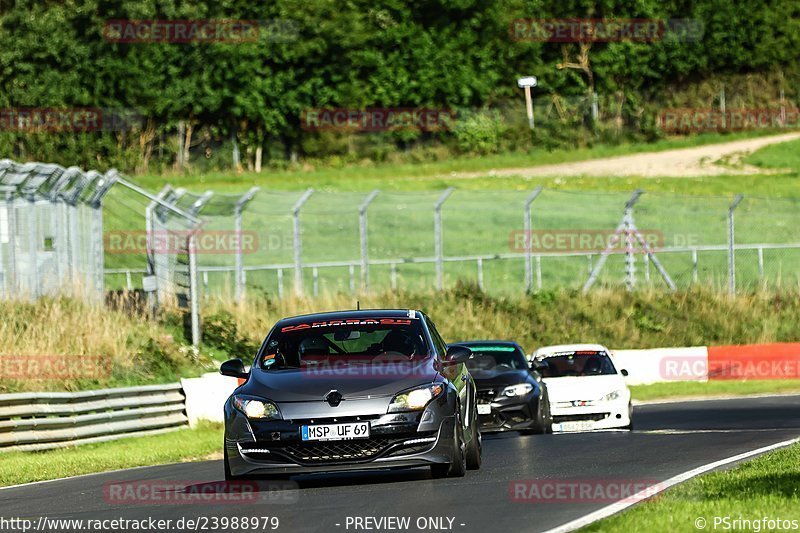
(768, 486)
(177, 446)
(484, 215)
(691, 389)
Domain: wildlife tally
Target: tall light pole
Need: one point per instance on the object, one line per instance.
(526, 83)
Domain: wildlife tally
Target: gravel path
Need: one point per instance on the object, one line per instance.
(680, 163)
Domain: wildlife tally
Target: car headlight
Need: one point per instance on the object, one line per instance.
(415, 399)
(611, 396)
(256, 409)
(517, 390)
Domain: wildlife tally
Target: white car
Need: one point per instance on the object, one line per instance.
(586, 389)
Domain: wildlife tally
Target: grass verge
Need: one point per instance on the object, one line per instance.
(768, 486)
(177, 446)
(423, 175)
(688, 389)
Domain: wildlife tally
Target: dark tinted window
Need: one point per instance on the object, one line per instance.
(579, 364)
(344, 341)
(496, 357)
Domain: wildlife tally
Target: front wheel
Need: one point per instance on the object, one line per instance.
(457, 468)
(475, 446)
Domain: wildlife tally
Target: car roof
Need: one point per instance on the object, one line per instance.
(548, 351)
(350, 314)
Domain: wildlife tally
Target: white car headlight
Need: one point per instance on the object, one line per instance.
(256, 409)
(611, 396)
(517, 390)
(415, 399)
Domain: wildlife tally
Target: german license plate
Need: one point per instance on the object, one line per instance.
(355, 430)
(484, 409)
(573, 426)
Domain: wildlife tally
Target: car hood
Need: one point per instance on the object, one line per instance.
(491, 380)
(353, 382)
(583, 388)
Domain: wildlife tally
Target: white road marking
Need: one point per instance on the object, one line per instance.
(649, 492)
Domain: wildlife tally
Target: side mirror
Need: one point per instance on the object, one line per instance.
(624, 372)
(457, 354)
(233, 368)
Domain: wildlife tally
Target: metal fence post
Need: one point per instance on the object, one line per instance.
(528, 248)
(627, 222)
(98, 252)
(193, 292)
(731, 251)
(298, 245)
(439, 243)
(12, 244)
(33, 245)
(362, 230)
(238, 211)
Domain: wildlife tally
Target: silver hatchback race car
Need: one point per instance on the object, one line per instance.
(352, 390)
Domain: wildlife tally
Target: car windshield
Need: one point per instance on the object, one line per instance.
(496, 357)
(358, 341)
(584, 363)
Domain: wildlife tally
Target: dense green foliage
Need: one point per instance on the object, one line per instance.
(356, 54)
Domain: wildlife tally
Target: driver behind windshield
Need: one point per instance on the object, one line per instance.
(349, 345)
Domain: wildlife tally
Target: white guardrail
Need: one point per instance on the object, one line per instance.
(33, 421)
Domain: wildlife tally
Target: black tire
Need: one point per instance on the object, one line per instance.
(458, 468)
(475, 446)
(549, 417)
(630, 417)
(228, 475)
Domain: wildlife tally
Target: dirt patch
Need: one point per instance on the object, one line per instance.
(708, 160)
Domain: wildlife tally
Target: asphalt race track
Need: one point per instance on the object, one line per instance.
(669, 439)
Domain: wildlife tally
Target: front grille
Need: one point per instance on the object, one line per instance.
(356, 450)
(581, 418)
(485, 396)
(337, 451)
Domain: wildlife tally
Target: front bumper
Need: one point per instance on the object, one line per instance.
(597, 415)
(396, 440)
(507, 414)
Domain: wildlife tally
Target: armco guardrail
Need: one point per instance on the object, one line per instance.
(34, 421)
